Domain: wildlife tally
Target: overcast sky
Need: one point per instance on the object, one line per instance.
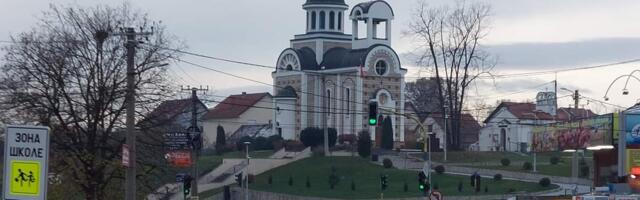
(526, 36)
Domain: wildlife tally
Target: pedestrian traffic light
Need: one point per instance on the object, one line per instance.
(373, 113)
(239, 179)
(383, 182)
(422, 181)
(186, 185)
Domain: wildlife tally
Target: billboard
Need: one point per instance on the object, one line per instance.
(632, 127)
(578, 134)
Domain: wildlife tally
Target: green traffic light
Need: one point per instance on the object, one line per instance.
(373, 121)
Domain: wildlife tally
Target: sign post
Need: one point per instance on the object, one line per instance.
(26, 162)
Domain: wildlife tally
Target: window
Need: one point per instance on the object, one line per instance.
(313, 20)
(339, 20)
(430, 129)
(328, 102)
(348, 100)
(332, 20)
(381, 67)
(322, 20)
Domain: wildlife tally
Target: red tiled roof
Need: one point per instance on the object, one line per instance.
(528, 111)
(234, 105)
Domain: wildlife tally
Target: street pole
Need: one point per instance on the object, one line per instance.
(446, 120)
(246, 185)
(130, 98)
(324, 116)
(195, 132)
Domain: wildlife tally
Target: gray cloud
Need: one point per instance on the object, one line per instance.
(556, 55)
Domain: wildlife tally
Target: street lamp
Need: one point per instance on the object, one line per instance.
(246, 191)
(625, 91)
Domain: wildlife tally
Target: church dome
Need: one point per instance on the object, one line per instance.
(334, 2)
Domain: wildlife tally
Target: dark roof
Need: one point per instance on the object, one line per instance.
(339, 57)
(167, 112)
(366, 5)
(287, 92)
(234, 105)
(528, 111)
(335, 2)
(307, 58)
(469, 127)
(252, 131)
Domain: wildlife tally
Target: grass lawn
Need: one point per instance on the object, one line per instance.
(366, 177)
(210, 193)
(563, 168)
(490, 156)
(206, 163)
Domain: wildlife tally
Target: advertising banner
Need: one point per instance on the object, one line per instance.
(632, 127)
(578, 134)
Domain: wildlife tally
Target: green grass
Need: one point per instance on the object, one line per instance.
(366, 177)
(210, 193)
(563, 168)
(206, 163)
(489, 156)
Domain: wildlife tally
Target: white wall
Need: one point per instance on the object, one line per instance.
(286, 117)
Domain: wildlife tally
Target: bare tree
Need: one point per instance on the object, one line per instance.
(423, 93)
(449, 42)
(69, 73)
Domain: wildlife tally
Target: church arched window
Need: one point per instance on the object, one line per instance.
(381, 67)
(313, 20)
(339, 20)
(332, 20)
(328, 102)
(322, 20)
(348, 100)
(289, 67)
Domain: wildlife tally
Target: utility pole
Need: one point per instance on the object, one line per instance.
(324, 115)
(574, 158)
(195, 137)
(130, 99)
(446, 120)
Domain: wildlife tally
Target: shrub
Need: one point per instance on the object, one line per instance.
(309, 136)
(460, 186)
(261, 143)
(584, 171)
(505, 162)
(439, 169)
(406, 187)
(333, 180)
(544, 182)
(554, 160)
(270, 180)
(511, 190)
(275, 141)
(290, 181)
(353, 186)
(486, 189)
(240, 143)
(497, 177)
(364, 144)
(527, 166)
(347, 138)
(387, 163)
(308, 183)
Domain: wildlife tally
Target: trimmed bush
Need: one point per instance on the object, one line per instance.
(544, 182)
(275, 141)
(364, 144)
(270, 180)
(439, 169)
(554, 160)
(497, 177)
(290, 181)
(353, 186)
(406, 187)
(505, 162)
(308, 183)
(333, 180)
(527, 166)
(312, 136)
(387, 163)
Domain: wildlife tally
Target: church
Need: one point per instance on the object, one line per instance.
(328, 72)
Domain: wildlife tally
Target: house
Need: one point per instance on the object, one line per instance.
(469, 129)
(173, 115)
(328, 72)
(235, 111)
(509, 126)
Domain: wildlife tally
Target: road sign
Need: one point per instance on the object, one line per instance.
(177, 141)
(26, 159)
(125, 155)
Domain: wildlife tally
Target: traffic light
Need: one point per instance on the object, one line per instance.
(186, 185)
(422, 181)
(239, 179)
(384, 181)
(373, 113)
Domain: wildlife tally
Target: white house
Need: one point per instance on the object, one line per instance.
(508, 127)
(235, 111)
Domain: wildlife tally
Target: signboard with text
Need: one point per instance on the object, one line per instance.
(26, 161)
(577, 134)
(177, 141)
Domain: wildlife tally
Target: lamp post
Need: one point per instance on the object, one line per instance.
(624, 91)
(246, 185)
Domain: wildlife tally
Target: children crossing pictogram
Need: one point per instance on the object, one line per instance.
(24, 178)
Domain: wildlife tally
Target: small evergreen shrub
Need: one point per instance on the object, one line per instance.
(527, 166)
(544, 182)
(505, 162)
(387, 163)
(439, 169)
(497, 177)
(554, 160)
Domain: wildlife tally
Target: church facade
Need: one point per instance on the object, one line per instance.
(327, 72)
